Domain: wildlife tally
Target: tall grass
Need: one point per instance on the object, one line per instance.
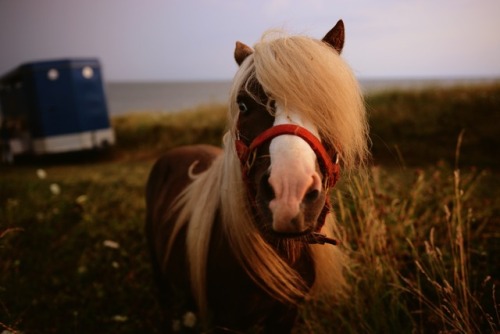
(443, 288)
(413, 243)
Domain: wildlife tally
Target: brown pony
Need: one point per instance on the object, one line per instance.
(240, 237)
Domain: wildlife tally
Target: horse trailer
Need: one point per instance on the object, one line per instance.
(53, 107)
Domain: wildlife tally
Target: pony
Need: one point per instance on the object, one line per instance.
(241, 236)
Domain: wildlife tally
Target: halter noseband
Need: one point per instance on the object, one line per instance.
(330, 169)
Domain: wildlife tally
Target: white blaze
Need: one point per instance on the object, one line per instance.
(293, 171)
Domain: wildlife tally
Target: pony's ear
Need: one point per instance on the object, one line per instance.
(241, 52)
(336, 36)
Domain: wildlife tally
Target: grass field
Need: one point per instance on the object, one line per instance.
(422, 225)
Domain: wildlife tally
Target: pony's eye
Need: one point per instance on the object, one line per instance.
(243, 107)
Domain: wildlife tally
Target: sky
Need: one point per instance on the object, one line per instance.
(185, 40)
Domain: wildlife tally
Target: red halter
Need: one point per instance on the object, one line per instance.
(330, 169)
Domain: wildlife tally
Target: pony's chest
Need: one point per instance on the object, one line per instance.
(234, 299)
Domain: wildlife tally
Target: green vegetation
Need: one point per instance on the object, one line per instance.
(422, 127)
(147, 135)
(421, 229)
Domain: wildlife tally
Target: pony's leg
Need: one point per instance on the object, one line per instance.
(157, 177)
(168, 177)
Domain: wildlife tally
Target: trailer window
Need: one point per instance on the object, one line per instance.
(53, 74)
(87, 72)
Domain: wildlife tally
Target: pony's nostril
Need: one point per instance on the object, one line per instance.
(311, 196)
(314, 190)
(266, 188)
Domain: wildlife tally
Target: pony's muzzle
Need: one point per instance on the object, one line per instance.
(289, 224)
(290, 203)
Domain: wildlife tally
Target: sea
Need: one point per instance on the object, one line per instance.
(136, 97)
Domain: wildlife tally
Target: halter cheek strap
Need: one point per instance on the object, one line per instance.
(330, 169)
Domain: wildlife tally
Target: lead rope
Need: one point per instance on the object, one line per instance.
(321, 239)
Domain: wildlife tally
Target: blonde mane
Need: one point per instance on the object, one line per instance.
(308, 76)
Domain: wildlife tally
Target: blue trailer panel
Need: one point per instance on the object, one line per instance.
(54, 106)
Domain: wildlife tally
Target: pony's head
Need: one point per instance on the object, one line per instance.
(295, 111)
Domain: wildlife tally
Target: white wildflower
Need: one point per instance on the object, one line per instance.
(12, 203)
(41, 174)
(81, 199)
(6, 331)
(189, 320)
(55, 189)
(176, 325)
(120, 318)
(111, 244)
